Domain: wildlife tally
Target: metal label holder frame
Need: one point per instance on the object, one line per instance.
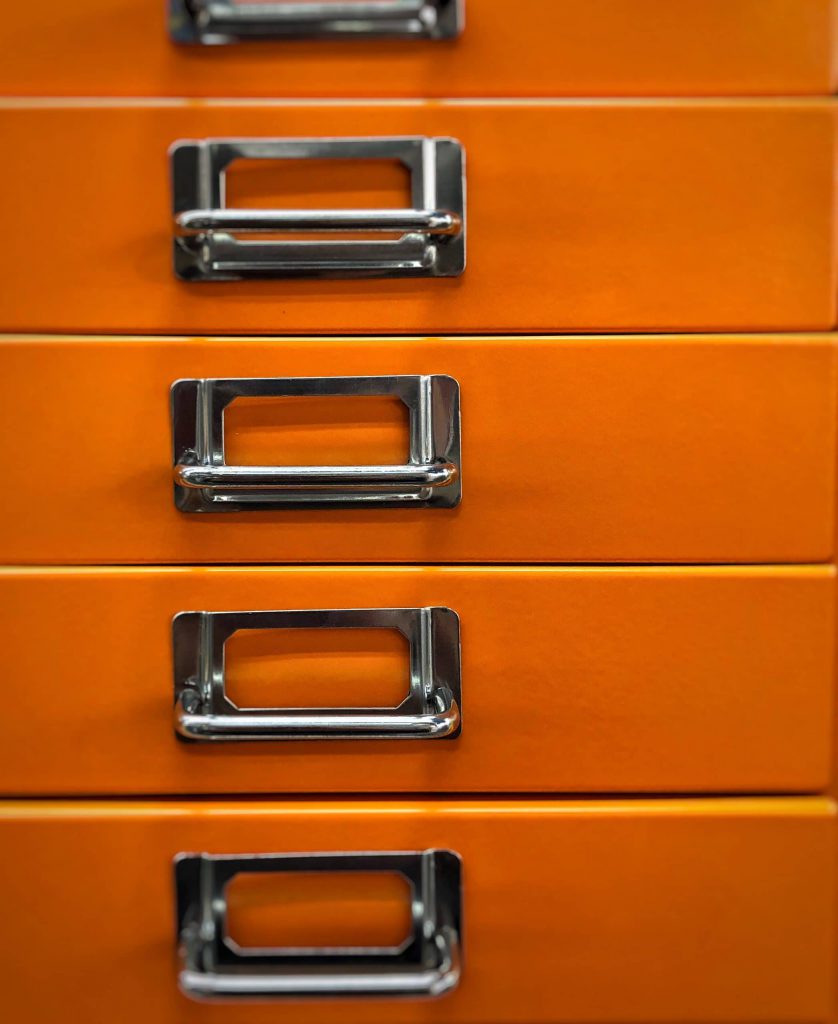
(431, 238)
(203, 482)
(431, 709)
(215, 967)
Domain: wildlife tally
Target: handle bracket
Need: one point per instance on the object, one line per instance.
(214, 967)
(429, 237)
(431, 709)
(431, 477)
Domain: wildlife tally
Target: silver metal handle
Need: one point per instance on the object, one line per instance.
(214, 967)
(431, 234)
(295, 477)
(431, 477)
(432, 222)
(431, 709)
(219, 22)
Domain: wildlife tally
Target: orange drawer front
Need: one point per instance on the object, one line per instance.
(571, 912)
(531, 48)
(608, 680)
(573, 450)
(581, 216)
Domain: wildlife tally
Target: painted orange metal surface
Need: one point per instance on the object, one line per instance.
(658, 911)
(574, 450)
(581, 217)
(597, 680)
(530, 48)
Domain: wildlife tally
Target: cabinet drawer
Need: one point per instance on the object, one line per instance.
(609, 680)
(581, 216)
(572, 450)
(597, 912)
(531, 48)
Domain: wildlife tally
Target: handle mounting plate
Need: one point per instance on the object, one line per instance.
(429, 238)
(431, 709)
(213, 967)
(431, 477)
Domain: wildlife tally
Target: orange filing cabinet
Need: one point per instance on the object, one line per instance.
(418, 555)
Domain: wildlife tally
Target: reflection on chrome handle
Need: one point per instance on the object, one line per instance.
(335, 725)
(382, 981)
(341, 478)
(429, 222)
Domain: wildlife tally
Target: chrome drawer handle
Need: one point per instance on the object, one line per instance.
(431, 709)
(431, 234)
(218, 22)
(215, 967)
(204, 483)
